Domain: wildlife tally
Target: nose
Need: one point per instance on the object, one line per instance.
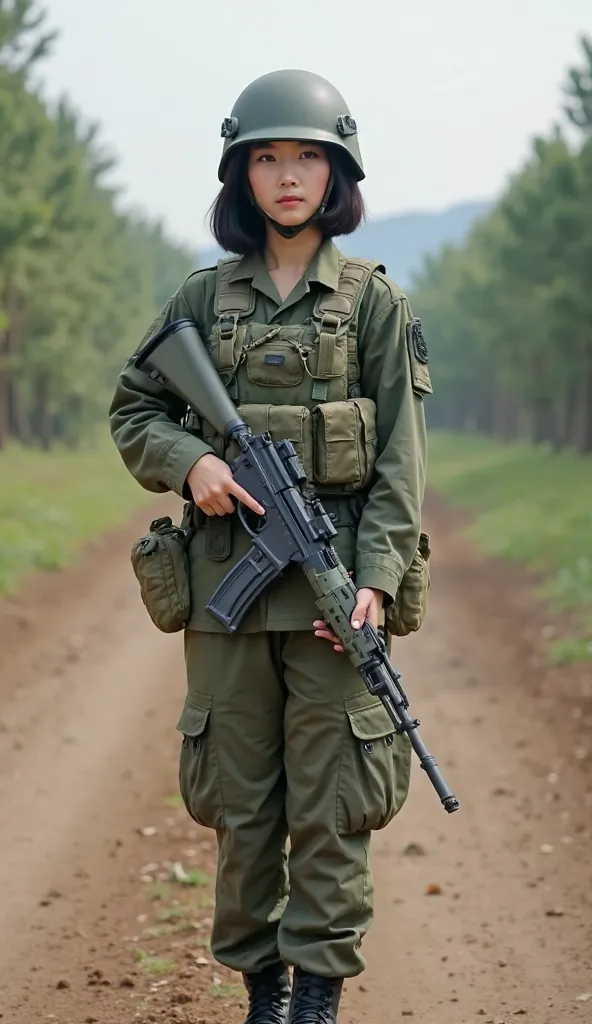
(288, 176)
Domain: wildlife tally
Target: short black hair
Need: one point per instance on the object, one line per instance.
(239, 227)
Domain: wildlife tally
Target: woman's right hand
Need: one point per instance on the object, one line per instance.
(212, 483)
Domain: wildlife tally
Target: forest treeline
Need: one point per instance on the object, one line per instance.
(80, 278)
(508, 315)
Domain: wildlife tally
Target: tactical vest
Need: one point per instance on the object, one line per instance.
(301, 383)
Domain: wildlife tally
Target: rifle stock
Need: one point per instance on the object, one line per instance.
(178, 357)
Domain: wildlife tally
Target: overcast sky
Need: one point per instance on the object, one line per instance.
(446, 93)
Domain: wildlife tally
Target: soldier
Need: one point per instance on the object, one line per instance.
(284, 752)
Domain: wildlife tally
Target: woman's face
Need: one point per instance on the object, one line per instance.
(288, 179)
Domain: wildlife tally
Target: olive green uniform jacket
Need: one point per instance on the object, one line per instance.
(377, 536)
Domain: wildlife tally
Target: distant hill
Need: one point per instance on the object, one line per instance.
(403, 241)
(400, 242)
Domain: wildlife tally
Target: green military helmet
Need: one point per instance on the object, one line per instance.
(296, 105)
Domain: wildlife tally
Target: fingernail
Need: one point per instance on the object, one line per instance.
(356, 624)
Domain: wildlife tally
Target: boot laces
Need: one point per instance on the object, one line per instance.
(266, 1001)
(314, 1001)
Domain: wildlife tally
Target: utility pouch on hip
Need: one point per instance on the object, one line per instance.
(407, 612)
(160, 562)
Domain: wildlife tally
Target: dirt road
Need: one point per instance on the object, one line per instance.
(106, 885)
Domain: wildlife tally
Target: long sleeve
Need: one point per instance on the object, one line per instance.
(145, 421)
(396, 379)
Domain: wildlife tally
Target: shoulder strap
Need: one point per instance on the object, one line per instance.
(337, 312)
(344, 302)
(232, 300)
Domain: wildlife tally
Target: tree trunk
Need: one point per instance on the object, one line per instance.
(585, 406)
(9, 343)
(3, 407)
(18, 415)
(43, 420)
(505, 415)
(513, 424)
(482, 412)
(567, 430)
(543, 422)
(73, 423)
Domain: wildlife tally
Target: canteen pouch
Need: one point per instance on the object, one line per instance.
(161, 564)
(406, 613)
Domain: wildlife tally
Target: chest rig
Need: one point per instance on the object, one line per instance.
(335, 316)
(299, 382)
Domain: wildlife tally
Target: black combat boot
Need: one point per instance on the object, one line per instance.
(269, 995)
(315, 1000)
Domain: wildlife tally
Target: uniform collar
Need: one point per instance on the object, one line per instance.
(323, 268)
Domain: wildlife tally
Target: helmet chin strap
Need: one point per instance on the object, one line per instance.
(290, 231)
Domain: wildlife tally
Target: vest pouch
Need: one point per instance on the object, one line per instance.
(284, 423)
(161, 565)
(275, 364)
(406, 613)
(344, 442)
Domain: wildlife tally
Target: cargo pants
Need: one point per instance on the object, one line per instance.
(288, 757)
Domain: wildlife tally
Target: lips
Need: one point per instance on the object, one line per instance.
(289, 200)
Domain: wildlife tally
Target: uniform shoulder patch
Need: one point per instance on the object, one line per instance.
(418, 358)
(419, 346)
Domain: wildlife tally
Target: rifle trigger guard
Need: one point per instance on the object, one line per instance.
(243, 512)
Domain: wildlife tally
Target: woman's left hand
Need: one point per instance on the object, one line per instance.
(368, 607)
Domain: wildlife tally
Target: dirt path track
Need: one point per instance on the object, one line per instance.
(89, 695)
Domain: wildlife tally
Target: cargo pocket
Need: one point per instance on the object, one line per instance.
(199, 775)
(284, 423)
(375, 769)
(344, 439)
